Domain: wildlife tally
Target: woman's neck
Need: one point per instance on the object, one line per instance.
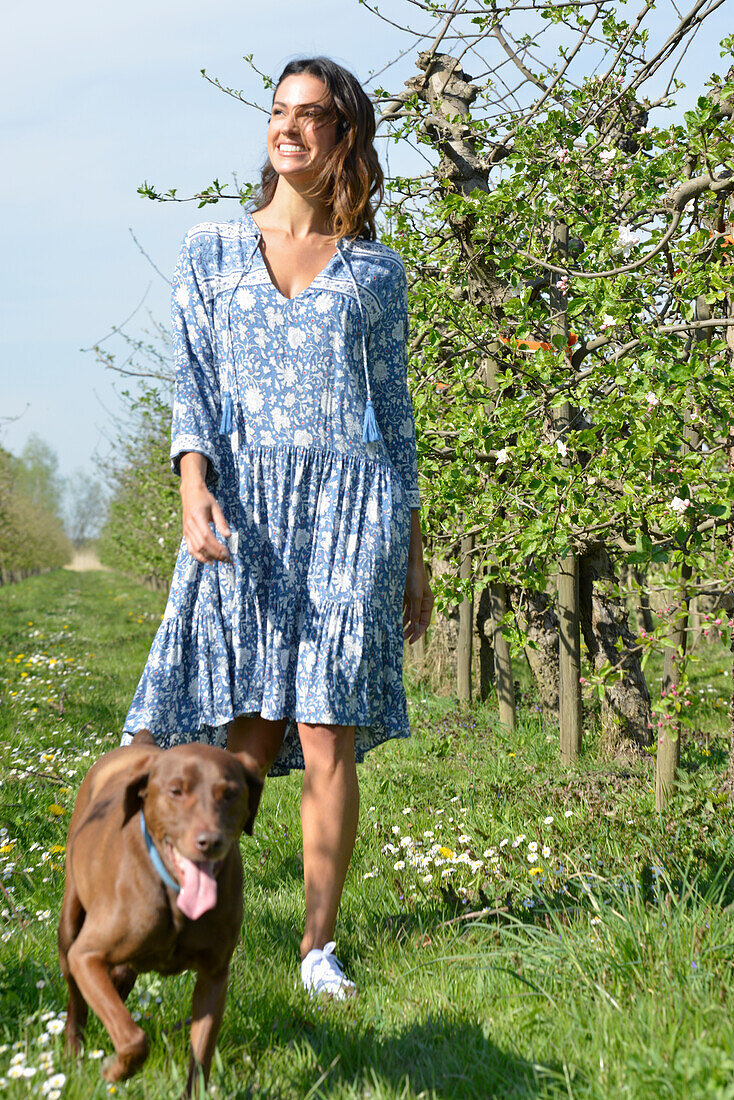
(294, 213)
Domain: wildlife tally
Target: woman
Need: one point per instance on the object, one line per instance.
(294, 437)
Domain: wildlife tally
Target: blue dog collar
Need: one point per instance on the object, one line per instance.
(155, 856)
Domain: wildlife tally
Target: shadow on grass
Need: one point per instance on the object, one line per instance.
(441, 1055)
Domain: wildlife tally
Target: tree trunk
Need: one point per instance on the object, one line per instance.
(466, 627)
(625, 713)
(569, 689)
(537, 620)
(502, 660)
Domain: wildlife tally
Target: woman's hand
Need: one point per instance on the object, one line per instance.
(418, 598)
(199, 509)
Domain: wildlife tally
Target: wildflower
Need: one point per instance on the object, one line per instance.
(100, 1053)
(446, 853)
(532, 857)
(395, 829)
(504, 842)
(548, 820)
(533, 846)
(568, 813)
(55, 1027)
(595, 920)
(546, 852)
(56, 1082)
(536, 870)
(464, 839)
(428, 877)
(367, 874)
(407, 810)
(55, 809)
(400, 865)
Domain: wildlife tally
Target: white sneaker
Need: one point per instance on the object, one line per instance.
(321, 972)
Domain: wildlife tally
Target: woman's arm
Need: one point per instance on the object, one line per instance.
(199, 508)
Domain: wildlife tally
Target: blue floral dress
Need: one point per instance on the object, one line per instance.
(301, 406)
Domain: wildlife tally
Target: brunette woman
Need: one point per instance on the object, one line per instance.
(301, 570)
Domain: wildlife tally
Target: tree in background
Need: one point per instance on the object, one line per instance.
(32, 537)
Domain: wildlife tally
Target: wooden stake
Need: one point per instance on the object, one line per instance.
(466, 627)
(503, 677)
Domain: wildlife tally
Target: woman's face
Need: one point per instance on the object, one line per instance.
(297, 145)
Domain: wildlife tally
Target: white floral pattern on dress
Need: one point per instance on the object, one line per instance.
(305, 621)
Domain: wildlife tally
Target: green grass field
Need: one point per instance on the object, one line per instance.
(516, 929)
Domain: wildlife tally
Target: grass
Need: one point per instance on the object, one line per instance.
(516, 929)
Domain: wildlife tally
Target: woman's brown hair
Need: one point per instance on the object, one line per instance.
(351, 182)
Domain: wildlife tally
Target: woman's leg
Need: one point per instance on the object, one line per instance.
(257, 739)
(329, 813)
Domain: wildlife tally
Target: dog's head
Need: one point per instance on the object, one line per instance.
(197, 800)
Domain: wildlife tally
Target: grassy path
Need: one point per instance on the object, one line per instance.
(602, 968)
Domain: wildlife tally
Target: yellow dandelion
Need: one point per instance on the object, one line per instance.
(55, 809)
(57, 849)
(536, 870)
(5, 848)
(510, 754)
(446, 853)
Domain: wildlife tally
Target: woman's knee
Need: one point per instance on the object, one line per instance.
(326, 748)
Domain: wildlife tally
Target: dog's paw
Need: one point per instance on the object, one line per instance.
(124, 1063)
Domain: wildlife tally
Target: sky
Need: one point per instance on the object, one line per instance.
(97, 98)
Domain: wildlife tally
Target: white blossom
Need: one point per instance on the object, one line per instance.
(679, 505)
(501, 456)
(627, 240)
(652, 399)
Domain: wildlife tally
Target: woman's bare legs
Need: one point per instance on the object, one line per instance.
(329, 814)
(257, 739)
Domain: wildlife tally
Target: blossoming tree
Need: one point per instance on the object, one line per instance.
(572, 295)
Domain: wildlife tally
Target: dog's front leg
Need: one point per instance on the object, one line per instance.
(92, 975)
(206, 1017)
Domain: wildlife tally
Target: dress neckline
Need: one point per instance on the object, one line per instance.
(279, 292)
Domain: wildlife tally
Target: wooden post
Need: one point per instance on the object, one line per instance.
(466, 627)
(502, 661)
(569, 688)
(569, 659)
(667, 760)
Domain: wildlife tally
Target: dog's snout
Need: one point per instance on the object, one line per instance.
(209, 843)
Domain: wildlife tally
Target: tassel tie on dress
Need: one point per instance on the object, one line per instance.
(370, 428)
(228, 423)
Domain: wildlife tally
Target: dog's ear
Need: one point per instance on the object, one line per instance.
(136, 785)
(255, 790)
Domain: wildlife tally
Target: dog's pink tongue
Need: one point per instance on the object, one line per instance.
(198, 893)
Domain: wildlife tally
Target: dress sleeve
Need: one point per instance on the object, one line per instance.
(388, 364)
(197, 401)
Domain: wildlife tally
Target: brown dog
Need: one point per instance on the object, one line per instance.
(154, 882)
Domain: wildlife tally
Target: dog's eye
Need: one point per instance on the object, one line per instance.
(229, 793)
(175, 791)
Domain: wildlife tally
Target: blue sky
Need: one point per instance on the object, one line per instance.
(99, 97)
